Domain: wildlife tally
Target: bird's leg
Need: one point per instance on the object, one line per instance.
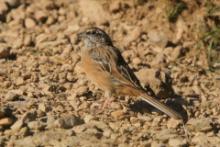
(108, 100)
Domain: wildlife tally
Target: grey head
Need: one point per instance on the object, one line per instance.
(94, 37)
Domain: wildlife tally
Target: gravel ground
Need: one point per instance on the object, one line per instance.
(47, 101)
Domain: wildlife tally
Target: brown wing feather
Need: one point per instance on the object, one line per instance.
(111, 60)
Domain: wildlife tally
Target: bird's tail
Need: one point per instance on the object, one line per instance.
(132, 91)
(162, 107)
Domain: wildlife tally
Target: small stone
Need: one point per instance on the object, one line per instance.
(17, 125)
(157, 144)
(144, 74)
(50, 20)
(51, 122)
(158, 37)
(20, 122)
(73, 28)
(201, 139)
(173, 123)
(177, 142)
(12, 3)
(156, 121)
(6, 121)
(127, 54)
(98, 15)
(88, 118)
(81, 90)
(115, 105)
(114, 6)
(23, 131)
(27, 40)
(18, 42)
(19, 81)
(42, 107)
(133, 34)
(13, 95)
(41, 16)
(114, 126)
(165, 134)
(35, 125)
(177, 52)
(3, 8)
(99, 124)
(4, 50)
(29, 23)
(107, 133)
(79, 129)
(70, 77)
(202, 124)
(136, 61)
(69, 122)
(118, 114)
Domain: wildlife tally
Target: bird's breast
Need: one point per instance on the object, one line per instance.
(95, 73)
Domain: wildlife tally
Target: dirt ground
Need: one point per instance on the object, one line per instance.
(47, 101)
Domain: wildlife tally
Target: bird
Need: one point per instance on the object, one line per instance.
(104, 65)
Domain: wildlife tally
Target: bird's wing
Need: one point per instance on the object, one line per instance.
(111, 60)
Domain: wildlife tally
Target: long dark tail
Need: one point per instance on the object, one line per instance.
(162, 107)
(133, 91)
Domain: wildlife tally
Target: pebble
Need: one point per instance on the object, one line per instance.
(97, 15)
(69, 122)
(17, 125)
(156, 121)
(79, 129)
(73, 28)
(24, 131)
(114, 126)
(41, 16)
(4, 50)
(13, 95)
(165, 134)
(157, 144)
(27, 40)
(173, 123)
(118, 114)
(12, 3)
(144, 74)
(3, 8)
(88, 118)
(177, 52)
(133, 34)
(114, 6)
(81, 90)
(51, 122)
(20, 122)
(201, 139)
(158, 37)
(70, 77)
(177, 142)
(19, 81)
(107, 133)
(136, 61)
(35, 125)
(29, 23)
(202, 124)
(42, 107)
(6, 121)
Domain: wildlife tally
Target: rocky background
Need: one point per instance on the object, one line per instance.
(46, 100)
